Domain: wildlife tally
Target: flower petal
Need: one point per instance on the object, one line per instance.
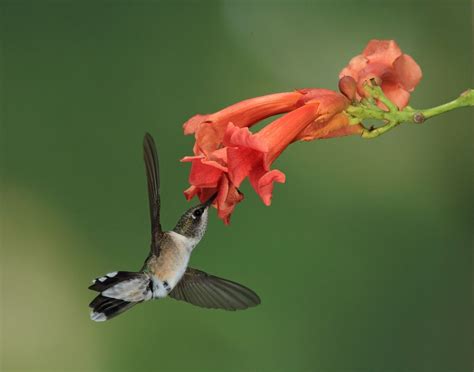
(382, 51)
(355, 65)
(204, 175)
(208, 137)
(206, 171)
(192, 124)
(396, 94)
(408, 71)
(228, 197)
(191, 192)
(263, 182)
(242, 160)
(382, 60)
(235, 136)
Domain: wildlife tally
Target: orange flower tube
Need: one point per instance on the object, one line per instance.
(209, 129)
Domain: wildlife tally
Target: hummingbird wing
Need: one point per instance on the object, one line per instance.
(209, 291)
(152, 168)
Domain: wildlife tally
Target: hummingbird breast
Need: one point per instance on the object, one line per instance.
(169, 267)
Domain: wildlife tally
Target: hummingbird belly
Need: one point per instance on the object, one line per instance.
(169, 267)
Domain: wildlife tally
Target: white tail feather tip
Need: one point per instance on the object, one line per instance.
(98, 317)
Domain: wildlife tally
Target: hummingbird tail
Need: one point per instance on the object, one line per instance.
(118, 292)
(105, 308)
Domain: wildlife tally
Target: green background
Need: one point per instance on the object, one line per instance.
(363, 261)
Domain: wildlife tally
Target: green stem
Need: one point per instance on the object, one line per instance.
(464, 100)
(392, 117)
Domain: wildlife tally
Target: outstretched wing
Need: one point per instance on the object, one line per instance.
(152, 168)
(209, 291)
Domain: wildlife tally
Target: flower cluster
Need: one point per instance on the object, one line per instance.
(226, 152)
(395, 72)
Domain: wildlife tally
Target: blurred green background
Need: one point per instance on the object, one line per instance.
(363, 261)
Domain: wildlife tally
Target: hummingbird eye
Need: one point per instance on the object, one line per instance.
(197, 213)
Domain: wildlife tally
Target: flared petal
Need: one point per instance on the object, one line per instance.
(263, 181)
(192, 124)
(209, 137)
(227, 198)
(209, 175)
(356, 64)
(242, 160)
(382, 60)
(382, 51)
(396, 93)
(408, 72)
(191, 192)
(204, 174)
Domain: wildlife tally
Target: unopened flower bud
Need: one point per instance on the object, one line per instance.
(348, 87)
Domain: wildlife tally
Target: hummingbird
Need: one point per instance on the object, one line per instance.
(165, 272)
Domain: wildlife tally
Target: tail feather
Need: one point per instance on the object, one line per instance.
(118, 292)
(108, 280)
(105, 308)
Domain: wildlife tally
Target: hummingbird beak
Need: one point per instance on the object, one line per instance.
(209, 201)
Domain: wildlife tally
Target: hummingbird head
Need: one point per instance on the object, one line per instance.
(193, 222)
